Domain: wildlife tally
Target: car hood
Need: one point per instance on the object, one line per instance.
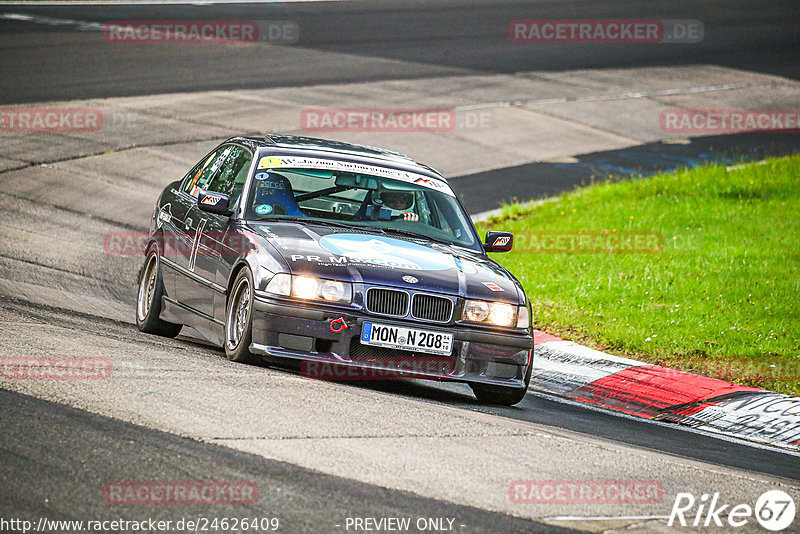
(385, 259)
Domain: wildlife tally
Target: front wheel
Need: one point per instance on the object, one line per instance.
(148, 302)
(502, 396)
(238, 319)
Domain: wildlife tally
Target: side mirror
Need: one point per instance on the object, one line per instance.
(216, 203)
(498, 241)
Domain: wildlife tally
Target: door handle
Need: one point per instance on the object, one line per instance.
(188, 223)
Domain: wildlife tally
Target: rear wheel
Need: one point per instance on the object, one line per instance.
(238, 319)
(502, 396)
(148, 302)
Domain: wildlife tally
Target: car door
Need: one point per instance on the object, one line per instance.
(213, 254)
(190, 289)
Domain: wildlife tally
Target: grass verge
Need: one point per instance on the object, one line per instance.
(697, 270)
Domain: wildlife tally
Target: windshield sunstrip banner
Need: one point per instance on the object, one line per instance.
(299, 162)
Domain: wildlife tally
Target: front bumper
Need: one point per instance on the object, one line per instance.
(318, 337)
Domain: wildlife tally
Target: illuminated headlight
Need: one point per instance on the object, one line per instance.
(496, 313)
(310, 288)
(502, 314)
(305, 287)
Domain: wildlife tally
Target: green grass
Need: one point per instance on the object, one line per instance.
(720, 296)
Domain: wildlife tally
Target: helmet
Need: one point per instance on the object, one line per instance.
(397, 200)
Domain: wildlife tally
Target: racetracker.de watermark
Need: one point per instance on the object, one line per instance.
(50, 120)
(717, 121)
(134, 243)
(398, 369)
(27, 120)
(735, 371)
(201, 31)
(54, 368)
(589, 242)
(586, 492)
(180, 493)
(605, 31)
(377, 120)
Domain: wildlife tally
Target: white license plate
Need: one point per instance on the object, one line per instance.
(411, 339)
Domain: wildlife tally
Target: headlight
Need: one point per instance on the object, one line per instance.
(476, 311)
(502, 314)
(310, 288)
(496, 313)
(332, 290)
(305, 287)
(280, 284)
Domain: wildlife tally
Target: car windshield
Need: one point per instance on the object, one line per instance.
(426, 209)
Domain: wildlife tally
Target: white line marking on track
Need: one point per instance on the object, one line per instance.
(50, 21)
(609, 96)
(603, 517)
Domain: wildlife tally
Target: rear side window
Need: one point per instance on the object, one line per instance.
(223, 171)
(200, 177)
(230, 177)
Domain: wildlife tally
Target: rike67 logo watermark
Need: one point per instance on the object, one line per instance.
(774, 510)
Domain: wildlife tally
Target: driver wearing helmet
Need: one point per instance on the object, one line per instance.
(400, 201)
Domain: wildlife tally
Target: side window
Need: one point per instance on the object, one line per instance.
(201, 175)
(421, 208)
(446, 217)
(232, 173)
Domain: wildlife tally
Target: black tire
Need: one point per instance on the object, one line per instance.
(239, 319)
(502, 396)
(148, 299)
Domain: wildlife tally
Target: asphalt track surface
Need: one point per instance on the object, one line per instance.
(60, 61)
(45, 475)
(51, 453)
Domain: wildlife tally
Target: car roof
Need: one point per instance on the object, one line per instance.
(379, 155)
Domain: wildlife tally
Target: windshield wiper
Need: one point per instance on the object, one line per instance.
(279, 219)
(415, 235)
(321, 222)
